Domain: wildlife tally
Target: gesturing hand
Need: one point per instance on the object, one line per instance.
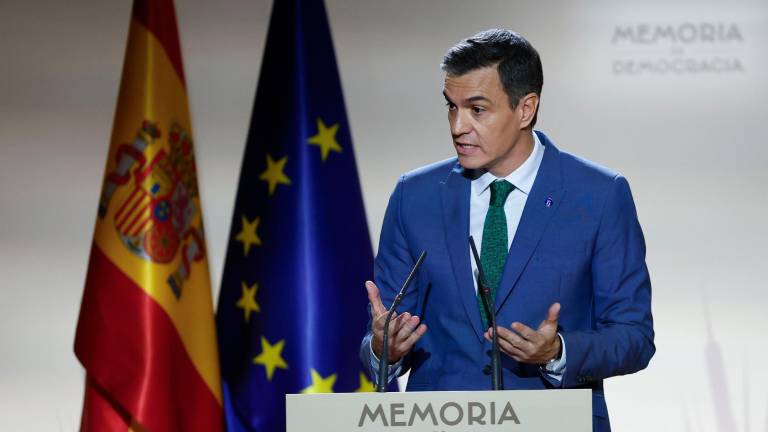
(404, 330)
(528, 346)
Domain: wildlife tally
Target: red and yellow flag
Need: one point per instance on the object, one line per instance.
(146, 334)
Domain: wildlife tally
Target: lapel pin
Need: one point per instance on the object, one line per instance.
(548, 202)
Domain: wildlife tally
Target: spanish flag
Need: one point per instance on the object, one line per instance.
(146, 334)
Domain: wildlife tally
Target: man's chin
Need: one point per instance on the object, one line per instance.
(470, 163)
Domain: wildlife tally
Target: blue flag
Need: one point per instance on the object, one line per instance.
(293, 308)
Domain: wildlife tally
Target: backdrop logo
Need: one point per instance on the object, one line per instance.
(677, 49)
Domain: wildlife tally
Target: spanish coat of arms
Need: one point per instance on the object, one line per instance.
(154, 220)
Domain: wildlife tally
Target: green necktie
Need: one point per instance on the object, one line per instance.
(493, 253)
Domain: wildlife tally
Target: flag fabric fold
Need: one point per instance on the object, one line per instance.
(292, 305)
(146, 333)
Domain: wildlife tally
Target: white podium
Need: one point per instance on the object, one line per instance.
(475, 411)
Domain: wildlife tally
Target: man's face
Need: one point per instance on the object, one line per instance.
(486, 131)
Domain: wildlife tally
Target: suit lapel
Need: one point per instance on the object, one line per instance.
(455, 200)
(546, 195)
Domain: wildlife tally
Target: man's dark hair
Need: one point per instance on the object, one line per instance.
(517, 61)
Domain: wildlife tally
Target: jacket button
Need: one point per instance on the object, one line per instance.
(487, 369)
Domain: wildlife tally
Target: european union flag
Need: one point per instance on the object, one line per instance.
(293, 309)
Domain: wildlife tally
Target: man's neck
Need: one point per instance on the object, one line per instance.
(520, 152)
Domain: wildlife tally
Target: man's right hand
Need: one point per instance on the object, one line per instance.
(404, 330)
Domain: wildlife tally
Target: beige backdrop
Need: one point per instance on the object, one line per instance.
(673, 94)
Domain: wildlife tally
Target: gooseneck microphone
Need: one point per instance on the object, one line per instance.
(497, 380)
(381, 385)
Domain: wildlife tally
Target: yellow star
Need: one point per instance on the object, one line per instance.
(325, 139)
(271, 356)
(320, 384)
(247, 300)
(274, 174)
(248, 235)
(365, 385)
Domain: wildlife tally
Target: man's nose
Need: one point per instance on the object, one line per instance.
(460, 124)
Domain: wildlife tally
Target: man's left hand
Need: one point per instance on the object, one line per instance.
(526, 345)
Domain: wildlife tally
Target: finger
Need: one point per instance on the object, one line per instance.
(378, 323)
(392, 329)
(511, 350)
(489, 333)
(508, 335)
(374, 298)
(402, 337)
(378, 334)
(550, 323)
(415, 335)
(517, 348)
(397, 324)
(514, 339)
(525, 331)
(553, 313)
(408, 325)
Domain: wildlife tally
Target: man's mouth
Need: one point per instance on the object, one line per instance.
(465, 149)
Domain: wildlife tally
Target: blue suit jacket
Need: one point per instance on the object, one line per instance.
(578, 243)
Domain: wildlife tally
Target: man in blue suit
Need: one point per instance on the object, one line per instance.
(560, 245)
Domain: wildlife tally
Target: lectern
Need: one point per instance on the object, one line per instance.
(475, 411)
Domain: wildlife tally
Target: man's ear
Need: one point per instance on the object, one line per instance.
(527, 107)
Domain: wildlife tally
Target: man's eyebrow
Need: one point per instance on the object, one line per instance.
(478, 98)
(471, 99)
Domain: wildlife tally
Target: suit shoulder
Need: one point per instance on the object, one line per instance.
(585, 178)
(433, 173)
(577, 170)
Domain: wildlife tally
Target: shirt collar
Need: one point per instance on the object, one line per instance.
(522, 177)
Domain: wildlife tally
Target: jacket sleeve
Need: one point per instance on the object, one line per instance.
(391, 267)
(621, 338)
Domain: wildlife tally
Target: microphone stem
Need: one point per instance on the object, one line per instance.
(498, 383)
(381, 385)
(497, 380)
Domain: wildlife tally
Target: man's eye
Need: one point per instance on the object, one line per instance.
(450, 106)
(478, 110)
